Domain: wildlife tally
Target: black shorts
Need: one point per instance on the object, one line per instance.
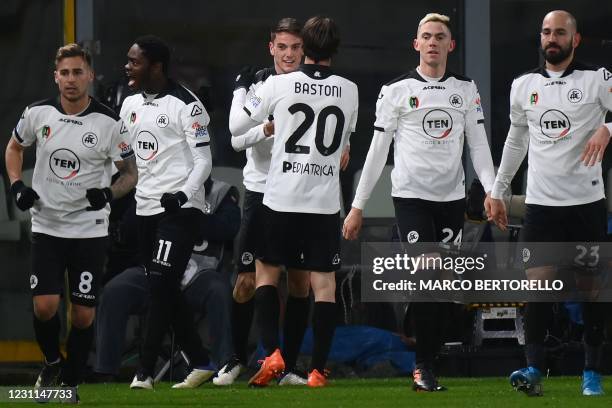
(429, 221)
(250, 231)
(166, 241)
(300, 240)
(574, 223)
(83, 258)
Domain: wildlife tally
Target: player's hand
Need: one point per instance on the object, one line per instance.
(245, 77)
(496, 212)
(352, 224)
(346, 156)
(268, 128)
(596, 146)
(24, 195)
(98, 197)
(173, 201)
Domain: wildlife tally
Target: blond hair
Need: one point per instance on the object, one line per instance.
(437, 18)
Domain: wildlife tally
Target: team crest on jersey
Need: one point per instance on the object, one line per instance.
(133, 117)
(533, 99)
(414, 102)
(574, 95)
(46, 132)
(64, 163)
(197, 110)
(554, 124)
(33, 281)
(89, 139)
(437, 124)
(456, 101)
(147, 145)
(162, 120)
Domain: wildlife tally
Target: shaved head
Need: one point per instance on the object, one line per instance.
(562, 17)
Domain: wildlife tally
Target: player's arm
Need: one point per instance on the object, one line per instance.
(478, 144)
(252, 136)
(598, 142)
(239, 121)
(128, 177)
(22, 137)
(198, 139)
(384, 129)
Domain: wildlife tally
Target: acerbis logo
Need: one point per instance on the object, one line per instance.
(147, 145)
(554, 124)
(437, 124)
(455, 100)
(90, 139)
(162, 120)
(64, 164)
(574, 95)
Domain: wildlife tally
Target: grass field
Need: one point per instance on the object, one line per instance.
(463, 392)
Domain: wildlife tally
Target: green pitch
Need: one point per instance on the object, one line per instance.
(352, 393)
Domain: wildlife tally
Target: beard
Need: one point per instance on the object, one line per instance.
(561, 55)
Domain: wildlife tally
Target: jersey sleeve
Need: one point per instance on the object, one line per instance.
(353, 123)
(24, 132)
(194, 122)
(518, 117)
(476, 137)
(387, 111)
(259, 104)
(121, 143)
(605, 88)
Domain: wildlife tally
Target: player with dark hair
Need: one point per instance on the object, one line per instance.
(429, 113)
(314, 111)
(557, 113)
(77, 140)
(286, 49)
(169, 127)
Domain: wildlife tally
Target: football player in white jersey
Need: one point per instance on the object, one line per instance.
(314, 111)
(77, 140)
(169, 127)
(557, 113)
(429, 113)
(286, 49)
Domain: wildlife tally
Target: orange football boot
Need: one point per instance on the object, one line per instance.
(271, 367)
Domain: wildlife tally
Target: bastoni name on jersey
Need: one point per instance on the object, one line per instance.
(317, 89)
(308, 168)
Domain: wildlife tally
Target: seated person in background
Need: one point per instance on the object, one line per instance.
(205, 287)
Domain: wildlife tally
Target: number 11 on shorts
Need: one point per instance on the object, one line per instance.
(168, 244)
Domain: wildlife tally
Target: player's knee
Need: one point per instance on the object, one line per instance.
(298, 287)
(244, 290)
(323, 286)
(45, 308)
(82, 317)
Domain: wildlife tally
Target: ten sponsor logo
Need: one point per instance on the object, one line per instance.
(90, 139)
(437, 124)
(64, 163)
(162, 120)
(147, 145)
(554, 124)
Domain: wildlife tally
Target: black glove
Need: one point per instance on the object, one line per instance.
(98, 197)
(24, 195)
(245, 77)
(173, 201)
